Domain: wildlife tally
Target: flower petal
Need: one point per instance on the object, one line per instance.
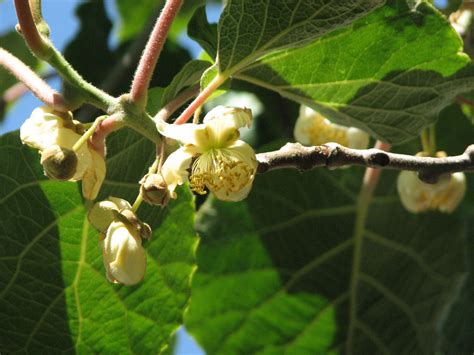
(94, 176)
(175, 168)
(188, 133)
(41, 129)
(123, 254)
(223, 123)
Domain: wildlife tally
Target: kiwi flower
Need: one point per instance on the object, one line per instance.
(217, 159)
(54, 135)
(312, 128)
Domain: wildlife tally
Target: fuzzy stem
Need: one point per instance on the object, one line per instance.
(88, 134)
(201, 98)
(152, 51)
(28, 77)
(171, 107)
(44, 49)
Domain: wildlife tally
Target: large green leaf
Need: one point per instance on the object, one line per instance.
(251, 29)
(203, 32)
(389, 73)
(295, 270)
(53, 293)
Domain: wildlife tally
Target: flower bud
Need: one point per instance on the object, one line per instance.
(123, 254)
(418, 196)
(59, 163)
(103, 213)
(154, 190)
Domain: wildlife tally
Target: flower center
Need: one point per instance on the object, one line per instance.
(216, 170)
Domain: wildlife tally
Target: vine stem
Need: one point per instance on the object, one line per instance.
(44, 49)
(369, 183)
(201, 98)
(166, 111)
(152, 51)
(32, 81)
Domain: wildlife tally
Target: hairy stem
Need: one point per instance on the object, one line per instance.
(152, 51)
(201, 98)
(32, 81)
(166, 111)
(44, 49)
(332, 155)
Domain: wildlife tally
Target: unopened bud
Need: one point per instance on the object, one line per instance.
(104, 212)
(123, 254)
(59, 163)
(154, 190)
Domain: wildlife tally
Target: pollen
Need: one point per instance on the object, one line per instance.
(217, 171)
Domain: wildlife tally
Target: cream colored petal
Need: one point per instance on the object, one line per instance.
(94, 176)
(188, 133)
(357, 138)
(245, 153)
(454, 193)
(302, 130)
(231, 196)
(41, 129)
(238, 117)
(123, 254)
(175, 168)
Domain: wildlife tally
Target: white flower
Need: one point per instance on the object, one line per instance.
(219, 161)
(418, 196)
(312, 128)
(123, 254)
(47, 128)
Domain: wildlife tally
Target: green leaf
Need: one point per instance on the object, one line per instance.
(203, 32)
(387, 73)
(294, 270)
(455, 132)
(250, 29)
(53, 292)
(189, 75)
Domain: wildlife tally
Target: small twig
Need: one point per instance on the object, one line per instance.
(19, 89)
(32, 81)
(152, 51)
(332, 155)
(44, 49)
(166, 111)
(201, 98)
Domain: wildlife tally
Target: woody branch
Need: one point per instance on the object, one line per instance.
(332, 155)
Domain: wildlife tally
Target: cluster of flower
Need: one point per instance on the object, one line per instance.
(211, 158)
(212, 152)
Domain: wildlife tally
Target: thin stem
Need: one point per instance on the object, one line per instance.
(88, 134)
(201, 98)
(432, 135)
(137, 203)
(152, 51)
(171, 107)
(369, 183)
(44, 49)
(35, 83)
(28, 28)
(425, 142)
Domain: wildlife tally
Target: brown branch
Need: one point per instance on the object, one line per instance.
(332, 156)
(151, 53)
